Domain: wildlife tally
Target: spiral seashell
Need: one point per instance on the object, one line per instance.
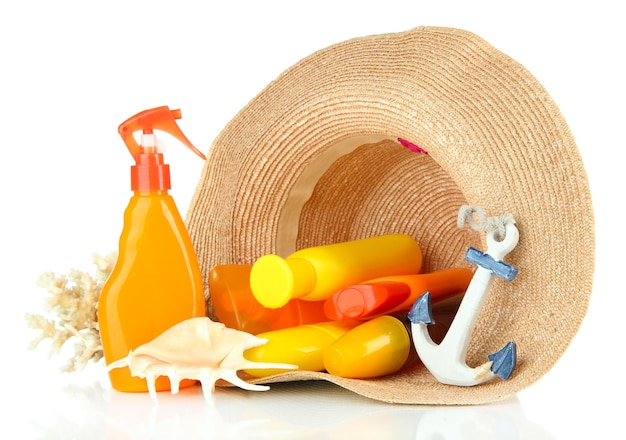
(197, 349)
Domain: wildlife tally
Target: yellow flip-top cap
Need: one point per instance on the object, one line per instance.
(274, 280)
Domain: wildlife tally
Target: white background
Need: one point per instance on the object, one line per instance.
(71, 71)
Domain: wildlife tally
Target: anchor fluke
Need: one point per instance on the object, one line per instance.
(421, 312)
(504, 360)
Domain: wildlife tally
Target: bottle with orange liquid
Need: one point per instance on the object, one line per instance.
(156, 282)
(396, 293)
(237, 308)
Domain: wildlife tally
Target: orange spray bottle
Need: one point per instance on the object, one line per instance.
(156, 282)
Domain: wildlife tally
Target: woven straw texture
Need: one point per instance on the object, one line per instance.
(314, 159)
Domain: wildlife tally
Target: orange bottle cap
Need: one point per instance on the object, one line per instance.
(364, 300)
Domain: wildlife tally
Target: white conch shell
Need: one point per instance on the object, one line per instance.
(198, 349)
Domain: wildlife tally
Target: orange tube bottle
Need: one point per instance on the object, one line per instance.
(237, 308)
(394, 294)
(156, 282)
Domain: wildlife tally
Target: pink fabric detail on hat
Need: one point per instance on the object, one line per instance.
(411, 146)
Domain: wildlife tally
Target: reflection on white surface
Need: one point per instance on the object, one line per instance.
(304, 410)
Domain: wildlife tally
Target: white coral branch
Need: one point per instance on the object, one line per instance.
(71, 312)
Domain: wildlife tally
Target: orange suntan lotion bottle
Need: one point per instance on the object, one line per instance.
(156, 282)
(315, 273)
(395, 294)
(237, 308)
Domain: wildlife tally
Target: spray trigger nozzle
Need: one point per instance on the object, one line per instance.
(159, 118)
(150, 172)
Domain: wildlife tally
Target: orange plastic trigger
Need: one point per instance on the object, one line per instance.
(159, 118)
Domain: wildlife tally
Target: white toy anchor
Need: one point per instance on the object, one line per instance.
(446, 361)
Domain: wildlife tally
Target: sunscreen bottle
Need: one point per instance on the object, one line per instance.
(375, 348)
(156, 281)
(303, 346)
(395, 294)
(237, 308)
(315, 273)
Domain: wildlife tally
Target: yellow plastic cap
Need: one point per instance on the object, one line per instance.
(274, 280)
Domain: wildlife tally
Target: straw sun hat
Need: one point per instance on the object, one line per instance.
(315, 159)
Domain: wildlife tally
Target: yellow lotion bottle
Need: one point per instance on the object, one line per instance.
(315, 273)
(303, 346)
(156, 282)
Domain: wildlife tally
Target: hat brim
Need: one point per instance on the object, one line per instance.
(314, 159)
